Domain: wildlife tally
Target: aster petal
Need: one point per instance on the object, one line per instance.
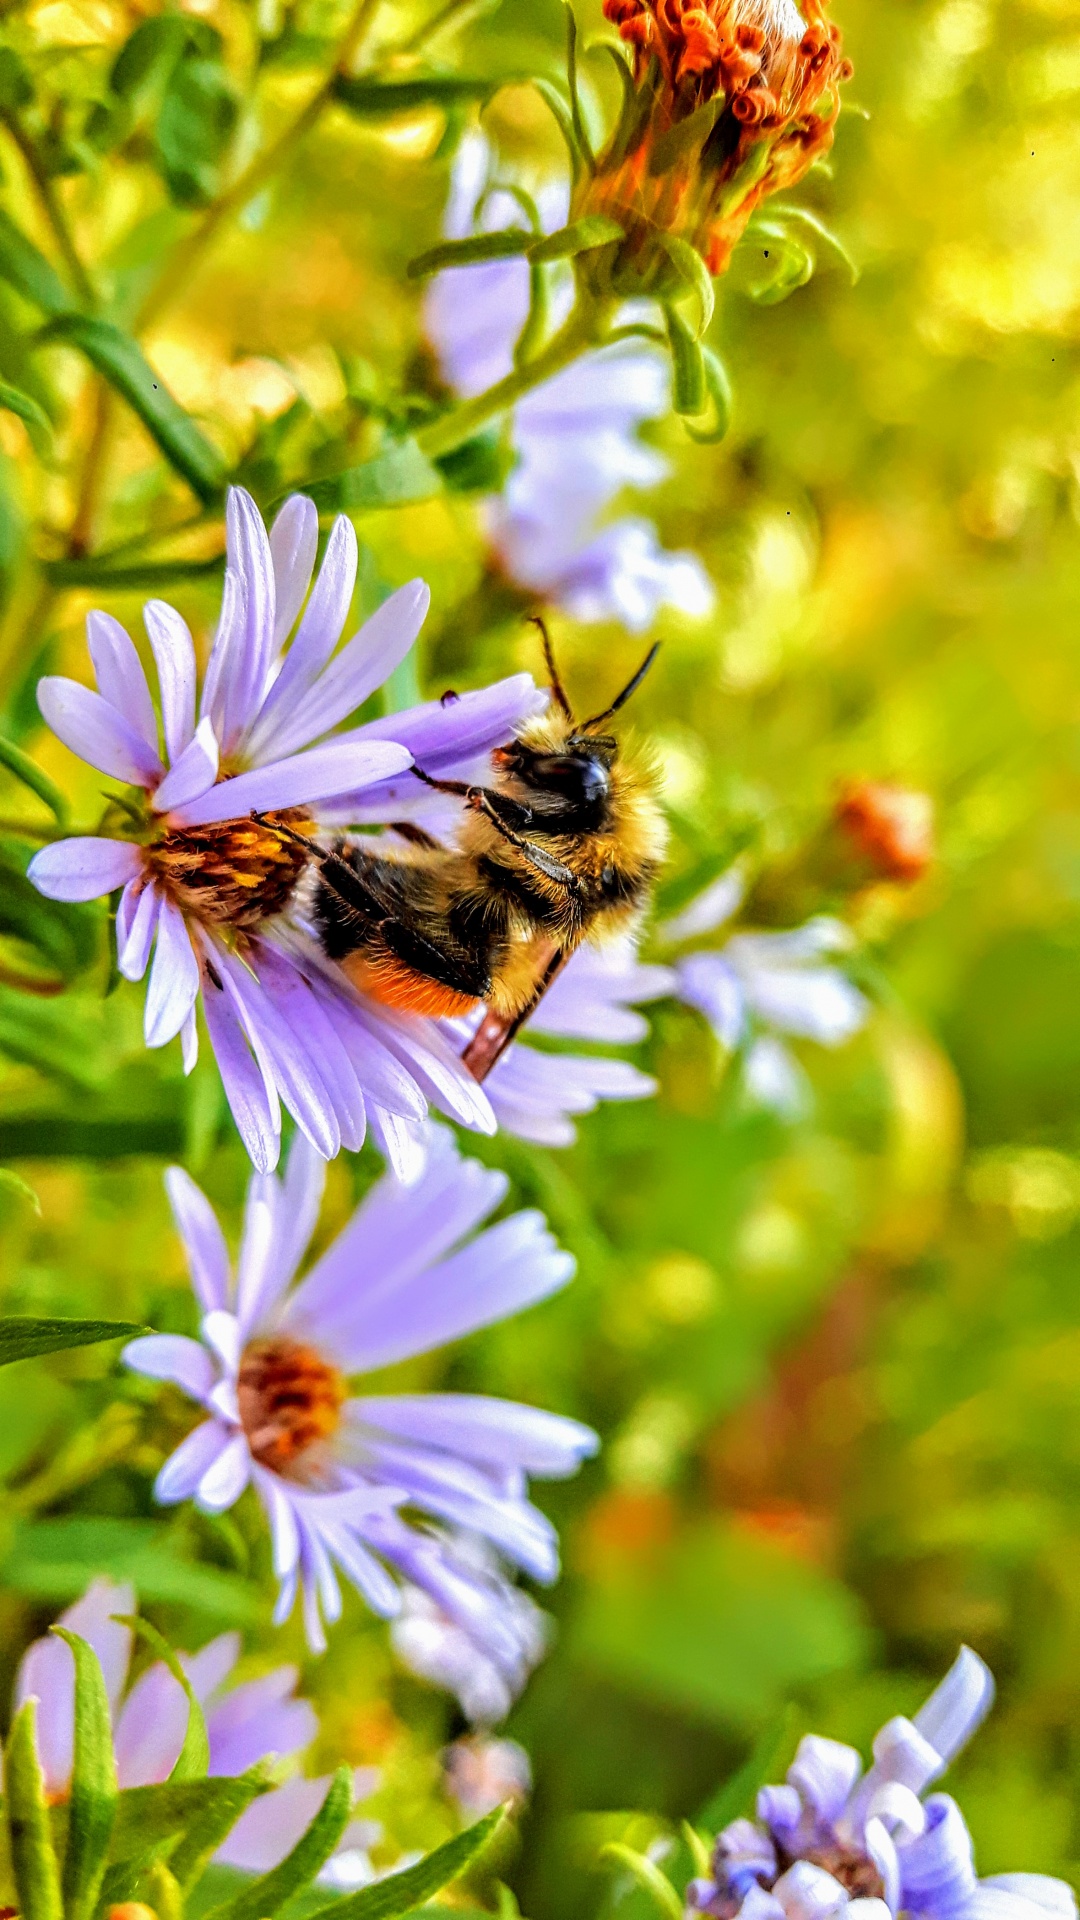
(434, 1065)
(401, 1143)
(271, 1826)
(815, 1003)
(174, 654)
(97, 731)
(259, 1718)
(708, 982)
(209, 1669)
(84, 869)
(226, 1477)
(499, 1433)
(261, 1218)
(305, 1016)
(532, 1093)
(120, 676)
(47, 1670)
(172, 1356)
(881, 1848)
(294, 542)
(174, 978)
(370, 1579)
(247, 1079)
(504, 1270)
(937, 1871)
(824, 1773)
(381, 1075)
(249, 552)
(958, 1706)
(193, 772)
(218, 701)
(709, 909)
(808, 1892)
(294, 1070)
(451, 1490)
(297, 782)
(136, 928)
(189, 1043)
(362, 666)
(150, 1730)
(299, 1198)
(185, 1467)
(281, 1514)
(1054, 1897)
(318, 635)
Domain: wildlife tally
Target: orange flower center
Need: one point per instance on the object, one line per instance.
(236, 873)
(289, 1400)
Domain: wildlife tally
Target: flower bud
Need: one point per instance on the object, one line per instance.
(732, 100)
(889, 829)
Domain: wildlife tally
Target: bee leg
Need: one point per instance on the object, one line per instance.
(416, 836)
(540, 861)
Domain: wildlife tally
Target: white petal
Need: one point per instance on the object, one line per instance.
(294, 542)
(137, 934)
(204, 1242)
(303, 780)
(97, 732)
(84, 869)
(172, 1356)
(359, 669)
(193, 772)
(224, 1481)
(119, 674)
(174, 978)
(174, 653)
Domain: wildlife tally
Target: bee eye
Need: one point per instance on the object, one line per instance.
(574, 776)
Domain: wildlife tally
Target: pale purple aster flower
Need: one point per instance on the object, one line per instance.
(483, 1655)
(575, 438)
(219, 897)
(835, 1841)
(409, 1273)
(245, 1723)
(481, 1773)
(536, 1094)
(758, 989)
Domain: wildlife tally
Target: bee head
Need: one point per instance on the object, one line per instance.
(564, 764)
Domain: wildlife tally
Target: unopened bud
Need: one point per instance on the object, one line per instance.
(732, 100)
(890, 829)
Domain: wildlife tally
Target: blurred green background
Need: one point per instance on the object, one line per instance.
(836, 1364)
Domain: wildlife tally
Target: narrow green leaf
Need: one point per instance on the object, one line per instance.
(33, 1861)
(395, 477)
(163, 1892)
(791, 265)
(266, 1896)
(148, 1816)
(718, 387)
(205, 1833)
(193, 1760)
(92, 1806)
(593, 230)
(692, 270)
(26, 408)
(23, 1336)
(54, 1560)
(379, 98)
(685, 135)
(11, 1182)
(737, 1795)
(500, 245)
(148, 576)
(26, 269)
(563, 117)
(122, 363)
(648, 1876)
(398, 1894)
(687, 363)
(31, 775)
(783, 210)
(577, 118)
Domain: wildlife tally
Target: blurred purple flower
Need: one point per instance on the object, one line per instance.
(535, 1094)
(835, 1841)
(575, 438)
(481, 1773)
(408, 1273)
(483, 1656)
(245, 1723)
(757, 987)
(221, 895)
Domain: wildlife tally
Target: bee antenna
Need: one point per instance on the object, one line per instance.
(557, 687)
(621, 699)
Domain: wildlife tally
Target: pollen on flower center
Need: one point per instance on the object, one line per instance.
(289, 1399)
(235, 873)
(853, 1869)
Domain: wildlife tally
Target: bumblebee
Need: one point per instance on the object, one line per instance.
(562, 846)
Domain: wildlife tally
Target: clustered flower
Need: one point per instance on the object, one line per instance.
(733, 100)
(835, 1843)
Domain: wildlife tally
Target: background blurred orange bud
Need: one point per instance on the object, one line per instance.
(892, 828)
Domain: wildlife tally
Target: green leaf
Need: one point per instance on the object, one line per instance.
(148, 1816)
(479, 465)
(564, 119)
(149, 576)
(687, 364)
(692, 270)
(26, 269)
(33, 1861)
(22, 1337)
(577, 118)
(791, 265)
(11, 1182)
(648, 1876)
(195, 122)
(193, 1760)
(147, 57)
(204, 1834)
(122, 363)
(718, 388)
(16, 85)
(92, 1806)
(398, 1894)
(737, 1795)
(266, 1896)
(783, 211)
(25, 407)
(31, 775)
(54, 1560)
(377, 99)
(500, 245)
(398, 475)
(593, 230)
(685, 135)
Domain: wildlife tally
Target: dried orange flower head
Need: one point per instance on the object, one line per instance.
(733, 100)
(891, 829)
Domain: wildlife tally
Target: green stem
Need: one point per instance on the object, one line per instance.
(52, 209)
(584, 329)
(178, 273)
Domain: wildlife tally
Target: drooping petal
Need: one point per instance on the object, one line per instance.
(136, 929)
(247, 1078)
(97, 731)
(300, 781)
(937, 1874)
(151, 1727)
(305, 1017)
(451, 1490)
(362, 666)
(500, 1433)
(401, 1143)
(258, 1718)
(958, 1705)
(226, 1477)
(84, 869)
(319, 632)
(193, 772)
(434, 1064)
(295, 1073)
(174, 653)
(172, 1356)
(120, 676)
(824, 1772)
(294, 542)
(174, 978)
(185, 1467)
